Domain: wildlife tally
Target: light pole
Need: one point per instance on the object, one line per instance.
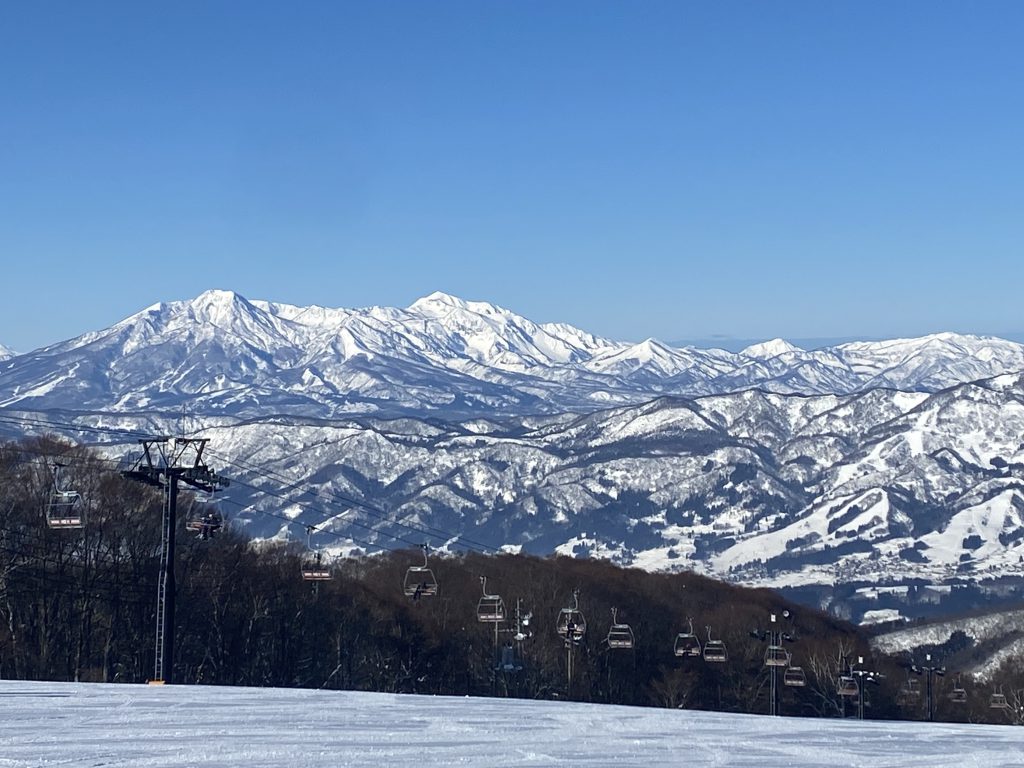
(863, 676)
(931, 671)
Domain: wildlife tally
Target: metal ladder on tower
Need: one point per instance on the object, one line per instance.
(161, 602)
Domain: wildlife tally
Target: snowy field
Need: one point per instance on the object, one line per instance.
(64, 724)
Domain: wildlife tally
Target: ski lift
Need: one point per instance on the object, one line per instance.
(571, 624)
(912, 690)
(204, 518)
(313, 566)
(776, 656)
(509, 661)
(64, 507)
(491, 608)
(686, 643)
(620, 635)
(315, 569)
(959, 694)
(419, 580)
(794, 677)
(847, 686)
(714, 650)
(998, 700)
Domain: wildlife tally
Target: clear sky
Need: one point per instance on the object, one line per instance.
(678, 170)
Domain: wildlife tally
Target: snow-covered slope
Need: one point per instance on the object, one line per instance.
(986, 641)
(160, 727)
(221, 353)
(6, 352)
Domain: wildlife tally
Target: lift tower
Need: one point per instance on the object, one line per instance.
(165, 462)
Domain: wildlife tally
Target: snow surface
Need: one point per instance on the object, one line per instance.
(71, 724)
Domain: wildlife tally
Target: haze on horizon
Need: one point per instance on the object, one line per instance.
(684, 171)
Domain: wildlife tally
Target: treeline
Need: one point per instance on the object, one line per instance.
(80, 604)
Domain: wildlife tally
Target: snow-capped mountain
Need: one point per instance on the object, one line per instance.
(223, 354)
(873, 462)
(6, 352)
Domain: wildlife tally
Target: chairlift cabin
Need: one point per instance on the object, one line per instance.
(509, 661)
(571, 625)
(714, 650)
(912, 690)
(959, 694)
(204, 519)
(776, 656)
(687, 644)
(490, 608)
(64, 506)
(316, 568)
(998, 701)
(419, 580)
(847, 686)
(620, 636)
(794, 677)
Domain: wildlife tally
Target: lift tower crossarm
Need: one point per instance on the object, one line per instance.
(176, 459)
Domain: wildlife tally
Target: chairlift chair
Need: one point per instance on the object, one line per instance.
(776, 656)
(419, 580)
(847, 686)
(687, 644)
(571, 624)
(490, 608)
(794, 677)
(315, 569)
(620, 636)
(204, 518)
(959, 694)
(509, 662)
(714, 650)
(912, 690)
(63, 508)
(998, 701)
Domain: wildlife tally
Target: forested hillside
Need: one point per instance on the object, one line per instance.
(80, 603)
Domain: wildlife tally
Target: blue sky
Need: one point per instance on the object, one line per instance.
(678, 170)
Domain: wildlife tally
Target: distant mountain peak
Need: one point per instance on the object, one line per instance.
(771, 348)
(6, 352)
(438, 299)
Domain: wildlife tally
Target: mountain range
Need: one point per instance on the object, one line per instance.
(441, 356)
(867, 463)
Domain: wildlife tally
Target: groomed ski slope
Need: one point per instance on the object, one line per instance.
(65, 724)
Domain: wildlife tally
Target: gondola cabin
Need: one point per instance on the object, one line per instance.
(998, 701)
(958, 695)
